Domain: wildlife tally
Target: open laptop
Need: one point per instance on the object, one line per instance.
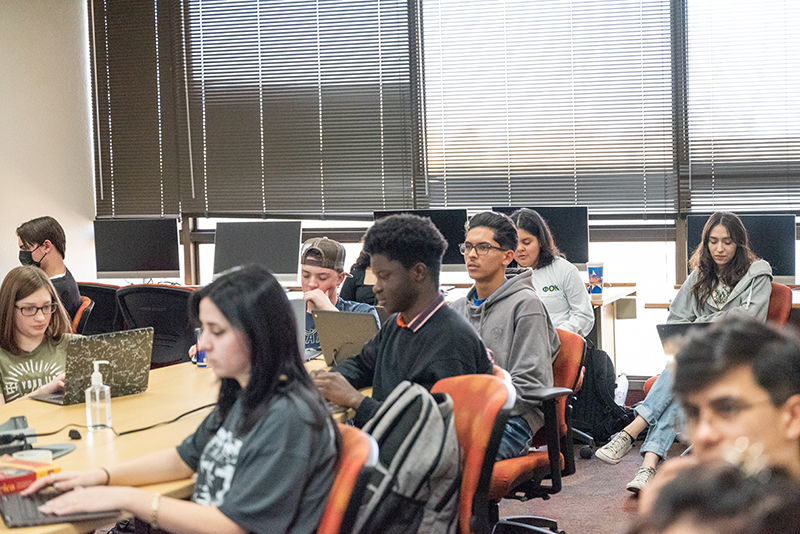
(342, 334)
(128, 353)
(299, 309)
(672, 335)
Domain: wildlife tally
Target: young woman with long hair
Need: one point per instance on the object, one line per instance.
(726, 278)
(264, 457)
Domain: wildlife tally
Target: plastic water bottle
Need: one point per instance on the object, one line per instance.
(621, 391)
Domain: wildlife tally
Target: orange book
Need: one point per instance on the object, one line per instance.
(16, 475)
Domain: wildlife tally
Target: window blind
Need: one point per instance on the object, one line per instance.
(743, 106)
(550, 102)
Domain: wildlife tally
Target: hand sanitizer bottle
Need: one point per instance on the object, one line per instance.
(98, 401)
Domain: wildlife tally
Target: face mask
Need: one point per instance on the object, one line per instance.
(26, 258)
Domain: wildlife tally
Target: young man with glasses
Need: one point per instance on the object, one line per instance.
(424, 341)
(321, 274)
(511, 320)
(42, 243)
(739, 384)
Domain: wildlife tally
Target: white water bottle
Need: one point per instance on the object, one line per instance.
(621, 392)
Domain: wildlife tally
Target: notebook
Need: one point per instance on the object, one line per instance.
(672, 335)
(128, 372)
(342, 334)
(23, 511)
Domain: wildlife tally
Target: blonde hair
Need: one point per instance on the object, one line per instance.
(19, 283)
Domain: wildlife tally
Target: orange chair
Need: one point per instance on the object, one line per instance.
(481, 404)
(780, 304)
(521, 478)
(82, 315)
(106, 316)
(359, 452)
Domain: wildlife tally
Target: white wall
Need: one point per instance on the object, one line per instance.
(45, 126)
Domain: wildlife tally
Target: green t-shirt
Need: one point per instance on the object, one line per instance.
(19, 375)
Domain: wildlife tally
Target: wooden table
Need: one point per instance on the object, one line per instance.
(603, 333)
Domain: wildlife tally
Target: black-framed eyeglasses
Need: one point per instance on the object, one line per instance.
(30, 311)
(481, 248)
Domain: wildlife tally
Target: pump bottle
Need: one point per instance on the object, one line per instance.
(98, 401)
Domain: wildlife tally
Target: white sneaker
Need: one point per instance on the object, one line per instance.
(613, 451)
(643, 477)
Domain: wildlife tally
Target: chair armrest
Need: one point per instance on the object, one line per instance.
(546, 394)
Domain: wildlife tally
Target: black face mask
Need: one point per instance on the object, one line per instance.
(26, 258)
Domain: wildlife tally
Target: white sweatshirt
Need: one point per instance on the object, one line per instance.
(560, 288)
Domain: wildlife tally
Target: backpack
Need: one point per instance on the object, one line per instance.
(594, 410)
(415, 486)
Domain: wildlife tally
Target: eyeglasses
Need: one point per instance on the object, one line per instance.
(30, 311)
(481, 249)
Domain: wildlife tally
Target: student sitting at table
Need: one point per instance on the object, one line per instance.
(556, 280)
(512, 322)
(727, 280)
(34, 329)
(424, 341)
(42, 243)
(264, 457)
(321, 274)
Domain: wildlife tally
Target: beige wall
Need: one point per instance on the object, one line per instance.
(45, 127)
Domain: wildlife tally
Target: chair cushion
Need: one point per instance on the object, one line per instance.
(508, 474)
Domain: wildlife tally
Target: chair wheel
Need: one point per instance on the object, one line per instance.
(586, 452)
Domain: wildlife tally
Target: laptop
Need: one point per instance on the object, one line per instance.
(299, 309)
(128, 353)
(673, 335)
(342, 334)
(23, 511)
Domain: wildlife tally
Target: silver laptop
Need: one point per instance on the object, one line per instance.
(128, 353)
(342, 334)
(299, 309)
(673, 335)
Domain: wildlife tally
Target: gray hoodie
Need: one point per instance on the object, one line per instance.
(514, 325)
(749, 297)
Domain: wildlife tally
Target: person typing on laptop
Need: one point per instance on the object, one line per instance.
(424, 341)
(727, 279)
(34, 330)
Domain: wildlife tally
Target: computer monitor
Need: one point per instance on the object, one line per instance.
(569, 226)
(273, 244)
(450, 223)
(771, 236)
(136, 248)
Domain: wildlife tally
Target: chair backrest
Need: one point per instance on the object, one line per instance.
(82, 315)
(481, 404)
(106, 316)
(780, 304)
(166, 309)
(359, 451)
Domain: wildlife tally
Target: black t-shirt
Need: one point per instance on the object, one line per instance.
(277, 477)
(67, 289)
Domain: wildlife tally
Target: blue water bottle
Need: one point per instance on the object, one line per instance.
(200, 355)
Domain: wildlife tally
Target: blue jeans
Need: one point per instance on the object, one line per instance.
(516, 439)
(662, 413)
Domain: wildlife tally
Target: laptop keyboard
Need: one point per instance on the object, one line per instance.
(23, 511)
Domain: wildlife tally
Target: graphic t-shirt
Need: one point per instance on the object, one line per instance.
(20, 375)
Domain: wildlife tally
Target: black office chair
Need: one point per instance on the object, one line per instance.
(166, 309)
(105, 316)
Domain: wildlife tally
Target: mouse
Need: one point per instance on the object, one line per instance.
(74, 434)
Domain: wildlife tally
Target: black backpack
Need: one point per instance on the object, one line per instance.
(594, 410)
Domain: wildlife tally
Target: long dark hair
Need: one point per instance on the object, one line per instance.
(709, 274)
(533, 223)
(255, 304)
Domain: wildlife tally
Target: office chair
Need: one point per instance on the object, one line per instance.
(481, 404)
(82, 315)
(521, 478)
(780, 304)
(166, 309)
(359, 453)
(106, 316)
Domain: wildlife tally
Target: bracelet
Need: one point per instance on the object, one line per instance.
(155, 505)
(108, 476)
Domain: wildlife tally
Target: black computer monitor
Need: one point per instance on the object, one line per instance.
(771, 237)
(450, 223)
(136, 248)
(273, 244)
(569, 226)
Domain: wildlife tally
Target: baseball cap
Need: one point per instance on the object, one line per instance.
(323, 252)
